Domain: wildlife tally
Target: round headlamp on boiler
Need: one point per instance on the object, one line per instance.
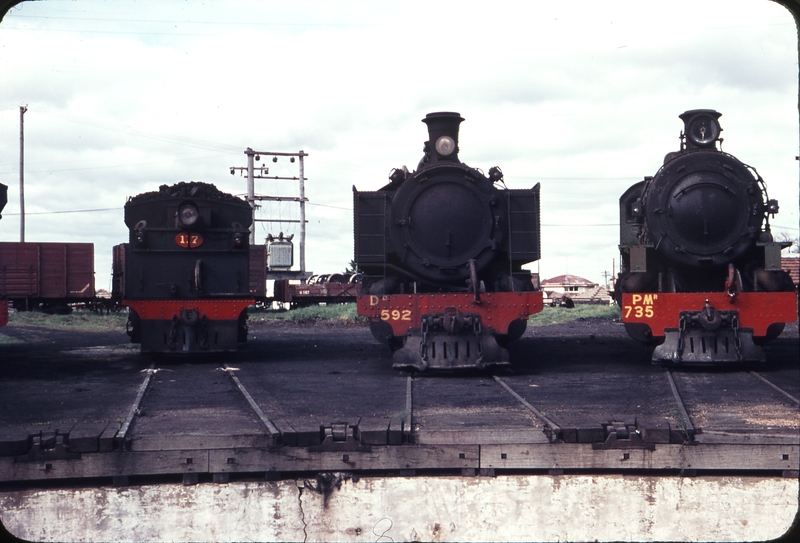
(188, 214)
(702, 128)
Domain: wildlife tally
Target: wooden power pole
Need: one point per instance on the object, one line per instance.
(22, 110)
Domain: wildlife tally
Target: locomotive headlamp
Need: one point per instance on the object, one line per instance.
(702, 127)
(139, 234)
(772, 206)
(703, 130)
(188, 214)
(445, 145)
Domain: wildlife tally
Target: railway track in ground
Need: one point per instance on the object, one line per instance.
(327, 400)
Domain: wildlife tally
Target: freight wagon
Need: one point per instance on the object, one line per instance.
(46, 276)
(335, 288)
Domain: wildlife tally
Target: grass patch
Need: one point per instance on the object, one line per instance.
(558, 315)
(8, 340)
(347, 314)
(343, 313)
(84, 321)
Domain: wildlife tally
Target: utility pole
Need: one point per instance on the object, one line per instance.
(260, 172)
(302, 213)
(22, 110)
(251, 192)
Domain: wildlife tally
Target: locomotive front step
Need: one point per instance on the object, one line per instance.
(698, 346)
(439, 349)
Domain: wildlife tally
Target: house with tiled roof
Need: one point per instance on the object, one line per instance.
(577, 289)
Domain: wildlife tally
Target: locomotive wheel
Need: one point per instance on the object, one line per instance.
(516, 329)
(382, 331)
(773, 331)
(242, 328)
(134, 327)
(397, 342)
(641, 332)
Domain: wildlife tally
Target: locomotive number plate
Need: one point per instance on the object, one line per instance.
(390, 314)
(641, 306)
(396, 315)
(188, 240)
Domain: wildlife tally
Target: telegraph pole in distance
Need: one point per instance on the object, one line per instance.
(22, 110)
(251, 184)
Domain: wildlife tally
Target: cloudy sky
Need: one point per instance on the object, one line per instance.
(582, 97)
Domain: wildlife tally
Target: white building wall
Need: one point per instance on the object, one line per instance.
(448, 508)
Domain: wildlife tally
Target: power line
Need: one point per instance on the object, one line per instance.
(325, 205)
(185, 22)
(67, 211)
(555, 178)
(579, 225)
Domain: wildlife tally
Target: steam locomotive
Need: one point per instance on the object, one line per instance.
(185, 273)
(700, 270)
(441, 250)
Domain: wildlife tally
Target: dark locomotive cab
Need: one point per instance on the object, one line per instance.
(701, 225)
(185, 272)
(446, 237)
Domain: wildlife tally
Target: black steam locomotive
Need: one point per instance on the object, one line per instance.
(185, 272)
(441, 250)
(700, 271)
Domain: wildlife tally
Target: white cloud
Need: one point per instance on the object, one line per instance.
(580, 96)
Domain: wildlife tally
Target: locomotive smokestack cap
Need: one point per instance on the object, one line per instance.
(701, 128)
(442, 142)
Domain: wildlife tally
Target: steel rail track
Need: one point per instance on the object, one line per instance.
(447, 422)
(132, 412)
(555, 429)
(272, 430)
(409, 406)
(684, 413)
(774, 386)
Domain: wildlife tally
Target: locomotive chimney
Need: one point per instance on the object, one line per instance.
(442, 144)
